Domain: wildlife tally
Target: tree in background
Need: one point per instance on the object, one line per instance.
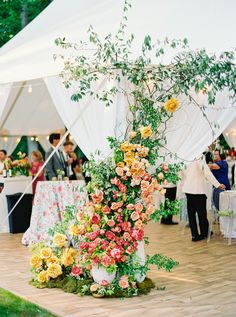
(16, 14)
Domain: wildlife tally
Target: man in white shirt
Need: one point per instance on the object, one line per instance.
(194, 181)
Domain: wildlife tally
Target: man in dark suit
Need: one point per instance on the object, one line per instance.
(57, 161)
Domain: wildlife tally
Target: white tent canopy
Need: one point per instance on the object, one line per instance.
(27, 61)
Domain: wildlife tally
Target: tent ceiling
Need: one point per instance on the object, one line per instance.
(30, 113)
(29, 55)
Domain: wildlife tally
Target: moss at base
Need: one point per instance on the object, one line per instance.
(71, 285)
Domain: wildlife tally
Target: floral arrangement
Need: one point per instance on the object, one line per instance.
(21, 166)
(109, 231)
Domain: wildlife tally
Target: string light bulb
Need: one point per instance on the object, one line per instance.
(5, 139)
(36, 139)
(18, 140)
(32, 138)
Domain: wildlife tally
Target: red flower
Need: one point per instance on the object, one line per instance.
(97, 198)
(106, 210)
(137, 234)
(76, 271)
(123, 188)
(130, 250)
(126, 226)
(84, 245)
(95, 219)
(110, 235)
(104, 283)
(116, 253)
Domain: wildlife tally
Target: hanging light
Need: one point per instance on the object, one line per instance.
(47, 137)
(32, 138)
(36, 139)
(70, 137)
(227, 133)
(5, 139)
(18, 140)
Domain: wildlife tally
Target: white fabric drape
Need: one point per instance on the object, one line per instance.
(189, 132)
(9, 145)
(230, 133)
(96, 122)
(4, 94)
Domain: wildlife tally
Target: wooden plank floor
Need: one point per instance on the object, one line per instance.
(203, 285)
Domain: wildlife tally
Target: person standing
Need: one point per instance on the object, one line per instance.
(3, 160)
(70, 159)
(36, 164)
(220, 170)
(194, 185)
(171, 196)
(57, 161)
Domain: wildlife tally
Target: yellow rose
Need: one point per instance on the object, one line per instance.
(36, 261)
(72, 252)
(45, 253)
(128, 161)
(125, 147)
(43, 277)
(75, 230)
(132, 134)
(53, 259)
(146, 132)
(120, 164)
(67, 260)
(171, 105)
(59, 240)
(54, 270)
(129, 154)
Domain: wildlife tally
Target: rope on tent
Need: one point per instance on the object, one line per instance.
(48, 159)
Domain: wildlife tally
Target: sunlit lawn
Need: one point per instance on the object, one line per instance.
(14, 306)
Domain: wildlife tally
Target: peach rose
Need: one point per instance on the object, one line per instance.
(123, 283)
(160, 176)
(98, 197)
(146, 132)
(135, 216)
(138, 207)
(119, 171)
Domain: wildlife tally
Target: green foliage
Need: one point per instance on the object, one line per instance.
(170, 208)
(11, 16)
(14, 306)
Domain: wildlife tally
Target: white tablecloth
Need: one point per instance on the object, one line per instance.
(12, 186)
(228, 224)
(52, 198)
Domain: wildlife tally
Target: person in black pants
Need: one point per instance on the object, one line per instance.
(197, 204)
(171, 195)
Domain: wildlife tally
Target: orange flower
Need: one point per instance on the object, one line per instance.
(171, 105)
(97, 198)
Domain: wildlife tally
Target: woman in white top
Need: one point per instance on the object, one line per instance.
(194, 181)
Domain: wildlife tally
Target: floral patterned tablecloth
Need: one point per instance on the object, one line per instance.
(51, 198)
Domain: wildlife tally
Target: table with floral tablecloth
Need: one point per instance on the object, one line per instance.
(52, 198)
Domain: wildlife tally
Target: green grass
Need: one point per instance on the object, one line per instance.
(14, 306)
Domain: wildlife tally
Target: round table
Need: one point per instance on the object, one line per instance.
(52, 198)
(228, 223)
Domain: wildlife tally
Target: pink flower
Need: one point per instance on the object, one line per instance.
(130, 206)
(117, 181)
(137, 234)
(106, 210)
(115, 194)
(130, 250)
(126, 226)
(76, 271)
(138, 207)
(110, 235)
(150, 210)
(97, 198)
(95, 261)
(116, 253)
(127, 236)
(95, 219)
(122, 188)
(135, 216)
(160, 176)
(110, 222)
(165, 168)
(119, 171)
(107, 260)
(144, 185)
(102, 232)
(147, 177)
(83, 245)
(104, 283)
(94, 288)
(93, 235)
(115, 206)
(123, 283)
